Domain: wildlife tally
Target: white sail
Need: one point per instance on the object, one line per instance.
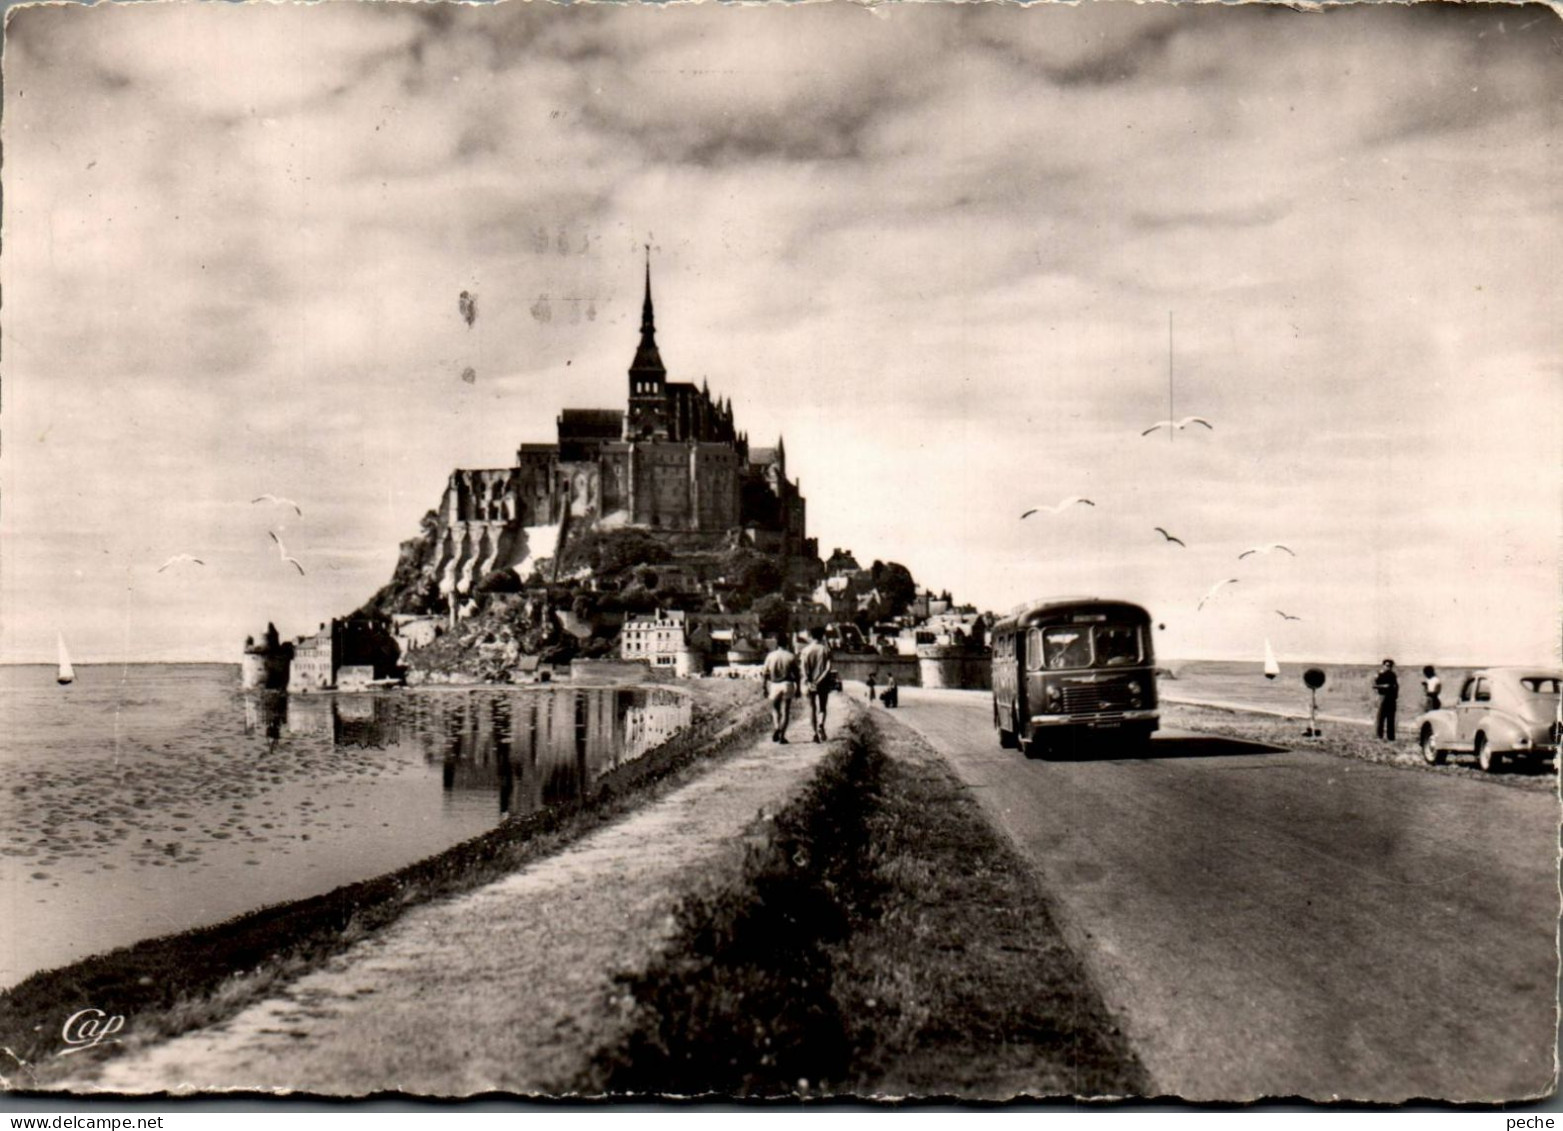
(1272, 667)
(67, 673)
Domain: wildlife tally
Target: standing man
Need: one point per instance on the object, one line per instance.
(814, 665)
(1387, 685)
(781, 687)
(1432, 689)
(871, 686)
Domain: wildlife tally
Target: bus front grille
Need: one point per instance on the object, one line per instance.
(1091, 697)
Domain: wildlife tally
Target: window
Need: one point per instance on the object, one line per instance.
(1117, 644)
(1540, 685)
(1066, 648)
(1483, 691)
(1466, 688)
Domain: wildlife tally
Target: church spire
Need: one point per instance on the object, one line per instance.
(648, 362)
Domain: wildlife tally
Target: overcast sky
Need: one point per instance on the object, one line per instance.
(937, 247)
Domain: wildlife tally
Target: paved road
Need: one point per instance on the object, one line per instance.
(1290, 923)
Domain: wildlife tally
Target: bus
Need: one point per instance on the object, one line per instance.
(1070, 667)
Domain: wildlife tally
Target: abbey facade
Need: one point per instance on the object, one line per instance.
(671, 461)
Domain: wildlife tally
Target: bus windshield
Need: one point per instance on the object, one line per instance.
(1101, 645)
(1117, 644)
(1066, 647)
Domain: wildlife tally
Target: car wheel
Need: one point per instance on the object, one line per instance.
(1430, 752)
(1486, 757)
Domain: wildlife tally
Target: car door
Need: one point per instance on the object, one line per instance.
(1465, 712)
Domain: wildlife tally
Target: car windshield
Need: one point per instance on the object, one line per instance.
(1117, 644)
(1540, 684)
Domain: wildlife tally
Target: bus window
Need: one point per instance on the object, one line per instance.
(1066, 648)
(1117, 644)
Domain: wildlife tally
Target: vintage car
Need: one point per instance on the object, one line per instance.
(1500, 713)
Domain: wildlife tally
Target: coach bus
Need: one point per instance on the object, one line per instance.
(1070, 667)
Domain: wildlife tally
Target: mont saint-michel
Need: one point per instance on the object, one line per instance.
(673, 462)
(1156, 694)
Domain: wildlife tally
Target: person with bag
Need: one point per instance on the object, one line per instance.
(819, 679)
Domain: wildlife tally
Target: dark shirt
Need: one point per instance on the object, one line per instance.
(1387, 684)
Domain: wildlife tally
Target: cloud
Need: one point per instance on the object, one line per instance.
(936, 247)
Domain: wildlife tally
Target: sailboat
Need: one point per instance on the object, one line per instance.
(67, 673)
(1272, 667)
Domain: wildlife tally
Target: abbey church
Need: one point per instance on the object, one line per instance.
(672, 461)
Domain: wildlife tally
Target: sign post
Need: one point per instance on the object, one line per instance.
(1314, 678)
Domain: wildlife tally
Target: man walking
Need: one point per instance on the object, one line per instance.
(815, 666)
(1387, 685)
(781, 687)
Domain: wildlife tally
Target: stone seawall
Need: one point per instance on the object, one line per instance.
(860, 665)
(955, 667)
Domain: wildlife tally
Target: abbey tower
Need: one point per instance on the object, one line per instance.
(671, 462)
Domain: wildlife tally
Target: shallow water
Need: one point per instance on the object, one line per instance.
(147, 799)
(1347, 691)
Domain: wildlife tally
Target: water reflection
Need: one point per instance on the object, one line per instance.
(530, 749)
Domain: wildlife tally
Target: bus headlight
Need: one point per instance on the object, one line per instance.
(1135, 691)
(1055, 695)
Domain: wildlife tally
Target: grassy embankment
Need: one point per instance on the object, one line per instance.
(1345, 740)
(883, 939)
(170, 985)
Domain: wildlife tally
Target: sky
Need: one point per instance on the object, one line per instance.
(958, 255)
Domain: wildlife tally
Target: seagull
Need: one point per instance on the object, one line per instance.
(283, 550)
(1179, 425)
(1266, 550)
(1214, 589)
(177, 558)
(1170, 538)
(1286, 616)
(1062, 506)
(280, 502)
(467, 303)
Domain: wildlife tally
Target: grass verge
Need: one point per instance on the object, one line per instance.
(882, 940)
(171, 985)
(1347, 741)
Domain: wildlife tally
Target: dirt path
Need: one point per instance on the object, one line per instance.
(509, 987)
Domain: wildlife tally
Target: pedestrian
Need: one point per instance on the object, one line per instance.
(892, 694)
(871, 685)
(1432, 688)
(1387, 686)
(781, 687)
(818, 677)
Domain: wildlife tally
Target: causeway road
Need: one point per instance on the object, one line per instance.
(1289, 923)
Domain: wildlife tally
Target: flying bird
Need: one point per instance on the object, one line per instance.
(1170, 538)
(283, 550)
(1062, 506)
(1214, 589)
(281, 502)
(177, 558)
(468, 305)
(1286, 616)
(1266, 550)
(1178, 425)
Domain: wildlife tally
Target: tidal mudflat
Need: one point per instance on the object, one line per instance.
(148, 799)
